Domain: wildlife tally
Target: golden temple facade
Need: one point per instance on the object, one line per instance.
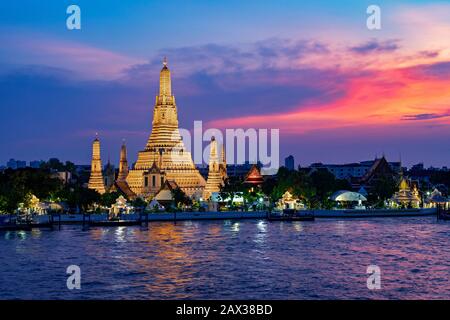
(165, 157)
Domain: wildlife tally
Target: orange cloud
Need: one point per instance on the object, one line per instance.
(380, 98)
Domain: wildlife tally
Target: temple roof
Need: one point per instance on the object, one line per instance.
(254, 176)
(379, 167)
(154, 168)
(165, 193)
(349, 196)
(123, 187)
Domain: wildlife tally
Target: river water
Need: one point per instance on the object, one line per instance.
(246, 259)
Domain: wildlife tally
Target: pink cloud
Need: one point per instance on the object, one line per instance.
(379, 99)
(83, 60)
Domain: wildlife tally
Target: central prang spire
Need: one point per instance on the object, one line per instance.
(165, 151)
(165, 85)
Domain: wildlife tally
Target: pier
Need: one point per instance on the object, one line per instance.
(143, 219)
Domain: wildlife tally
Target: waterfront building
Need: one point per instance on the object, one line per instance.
(96, 178)
(349, 199)
(288, 201)
(351, 171)
(120, 206)
(165, 150)
(289, 162)
(216, 171)
(407, 195)
(436, 199)
(379, 170)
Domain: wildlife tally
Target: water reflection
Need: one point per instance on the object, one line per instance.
(340, 227)
(22, 235)
(298, 226)
(120, 234)
(261, 235)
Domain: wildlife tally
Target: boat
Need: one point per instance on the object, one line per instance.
(290, 215)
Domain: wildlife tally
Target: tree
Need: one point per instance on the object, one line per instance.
(15, 185)
(314, 188)
(230, 188)
(139, 203)
(383, 189)
(268, 186)
(81, 197)
(298, 183)
(325, 184)
(3, 204)
(180, 198)
(70, 166)
(109, 198)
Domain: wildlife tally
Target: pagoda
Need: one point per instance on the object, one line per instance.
(121, 181)
(109, 176)
(407, 196)
(123, 163)
(165, 154)
(96, 178)
(216, 171)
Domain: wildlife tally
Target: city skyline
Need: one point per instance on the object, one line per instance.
(337, 91)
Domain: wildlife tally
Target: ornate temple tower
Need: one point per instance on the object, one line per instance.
(96, 179)
(165, 150)
(215, 172)
(110, 176)
(223, 164)
(123, 163)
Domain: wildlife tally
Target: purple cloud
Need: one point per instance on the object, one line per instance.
(375, 46)
(425, 116)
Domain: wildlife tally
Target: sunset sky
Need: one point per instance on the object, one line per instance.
(337, 91)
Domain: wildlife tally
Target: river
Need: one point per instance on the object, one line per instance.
(246, 259)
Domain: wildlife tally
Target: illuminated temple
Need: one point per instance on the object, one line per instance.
(96, 178)
(217, 170)
(163, 162)
(165, 157)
